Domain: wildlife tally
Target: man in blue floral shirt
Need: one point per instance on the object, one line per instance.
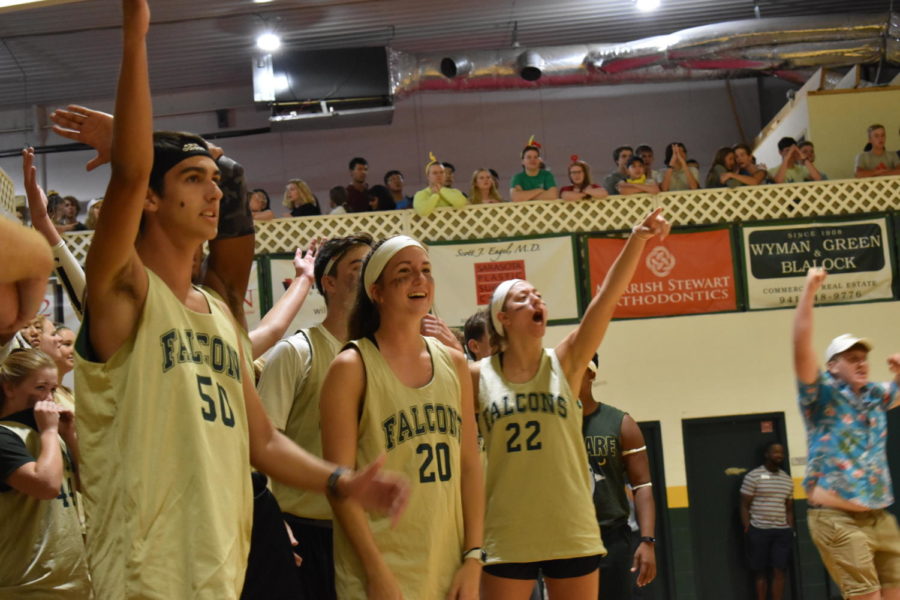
(847, 479)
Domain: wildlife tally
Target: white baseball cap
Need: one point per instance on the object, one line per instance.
(844, 342)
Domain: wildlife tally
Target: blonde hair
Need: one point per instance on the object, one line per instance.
(475, 193)
(93, 217)
(306, 195)
(19, 365)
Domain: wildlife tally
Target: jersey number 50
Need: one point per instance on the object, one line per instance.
(209, 411)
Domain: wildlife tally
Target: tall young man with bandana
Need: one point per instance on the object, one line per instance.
(170, 422)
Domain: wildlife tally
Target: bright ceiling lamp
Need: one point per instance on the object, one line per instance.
(646, 5)
(268, 41)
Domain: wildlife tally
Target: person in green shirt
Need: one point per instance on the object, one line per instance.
(533, 182)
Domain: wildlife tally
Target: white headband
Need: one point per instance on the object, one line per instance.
(381, 256)
(497, 300)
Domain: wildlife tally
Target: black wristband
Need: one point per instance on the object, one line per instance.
(648, 539)
(331, 486)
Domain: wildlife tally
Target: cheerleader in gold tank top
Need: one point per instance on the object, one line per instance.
(395, 392)
(540, 514)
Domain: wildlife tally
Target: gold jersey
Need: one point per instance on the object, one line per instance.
(164, 442)
(538, 480)
(289, 387)
(42, 554)
(420, 431)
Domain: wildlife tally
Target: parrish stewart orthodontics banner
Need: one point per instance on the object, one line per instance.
(687, 273)
(856, 255)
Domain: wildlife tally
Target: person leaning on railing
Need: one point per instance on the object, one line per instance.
(678, 174)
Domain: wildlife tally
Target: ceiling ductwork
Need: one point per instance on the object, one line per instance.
(786, 47)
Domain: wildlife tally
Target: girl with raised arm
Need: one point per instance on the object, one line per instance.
(539, 514)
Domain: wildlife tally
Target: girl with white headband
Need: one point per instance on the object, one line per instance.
(540, 513)
(394, 392)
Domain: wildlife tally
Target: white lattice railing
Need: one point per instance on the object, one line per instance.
(701, 207)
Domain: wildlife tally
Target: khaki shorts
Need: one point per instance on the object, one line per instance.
(861, 550)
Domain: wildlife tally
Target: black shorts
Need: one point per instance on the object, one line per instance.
(769, 548)
(563, 568)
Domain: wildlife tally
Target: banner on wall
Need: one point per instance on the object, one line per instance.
(252, 299)
(855, 253)
(466, 274)
(687, 273)
(281, 273)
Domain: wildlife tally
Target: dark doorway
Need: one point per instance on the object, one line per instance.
(663, 587)
(718, 452)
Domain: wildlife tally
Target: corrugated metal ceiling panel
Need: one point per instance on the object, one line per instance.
(72, 50)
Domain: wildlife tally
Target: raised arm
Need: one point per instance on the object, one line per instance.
(68, 270)
(806, 367)
(116, 281)
(37, 200)
(273, 326)
(577, 348)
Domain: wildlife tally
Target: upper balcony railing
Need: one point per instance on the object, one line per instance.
(491, 221)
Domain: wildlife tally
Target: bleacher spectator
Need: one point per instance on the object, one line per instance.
(436, 194)
(792, 168)
(300, 199)
(338, 198)
(621, 155)
(532, 182)
(748, 172)
(679, 175)
(496, 177)
(646, 154)
(357, 196)
(449, 171)
(259, 205)
(581, 188)
(877, 160)
(808, 152)
(483, 190)
(67, 215)
(93, 213)
(380, 198)
(721, 173)
(393, 180)
(637, 181)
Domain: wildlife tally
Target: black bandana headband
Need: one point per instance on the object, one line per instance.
(167, 156)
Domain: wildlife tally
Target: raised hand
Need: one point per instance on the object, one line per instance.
(894, 363)
(815, 277)
(86, 126)
(305, 262)
(37, 199)
(652, 225)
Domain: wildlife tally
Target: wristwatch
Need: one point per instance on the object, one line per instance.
(648, 539)
(476, 553)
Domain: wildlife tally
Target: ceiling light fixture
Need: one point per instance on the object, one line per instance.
(646, 5)
(268, 41)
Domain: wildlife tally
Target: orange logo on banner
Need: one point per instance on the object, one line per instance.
(488, 275)
(688, 273)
